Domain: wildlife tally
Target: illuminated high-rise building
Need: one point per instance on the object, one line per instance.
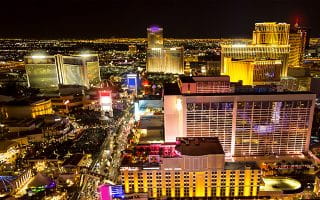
(160, 59)
(246, 124)
(155, 37)
(73, 71)
(240, 71)
(173, 60)
(93, 69)
(270, 44)
(48, 72)
(271, 33)
(252, 72)
(42, 72)
(255, 53)
(297, 41)
(189, 167)
(155, 60)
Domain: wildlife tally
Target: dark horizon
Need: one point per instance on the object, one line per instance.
(80, 19)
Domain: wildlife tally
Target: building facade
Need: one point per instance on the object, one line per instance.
(155, 61)
(271, 33)
(267, 71)
(270, 43)
(73, 71)
(160, 59)
(42, 107)
(42, 72)
(200, 84)
(253, 72)
(173, 60)
(297, 41)
(246, 124)
(191, 173)
(48, 72)
(155, 37)
(64, 104)
(93, 68)
(255, 52)
(28, 109)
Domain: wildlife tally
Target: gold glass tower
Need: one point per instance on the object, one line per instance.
(160, 59)
(271, 33)
(270, 44)
(297, 41)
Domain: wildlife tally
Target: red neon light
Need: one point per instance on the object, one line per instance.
(104, 93)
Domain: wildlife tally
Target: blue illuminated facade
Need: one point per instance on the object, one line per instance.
(132, 82)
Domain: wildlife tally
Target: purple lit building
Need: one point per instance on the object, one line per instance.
(160, 59)
(255, 124)
(155, 37)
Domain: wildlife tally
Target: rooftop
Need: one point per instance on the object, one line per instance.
(211, 78)
(199, 146)
(138, 156)
(246, 93)
(171, 89)
(186, 79)
(154, 135)
(150, 97)
(26, 101)
(194, 79)
(20, 122)
(21, 134)
(73, 160)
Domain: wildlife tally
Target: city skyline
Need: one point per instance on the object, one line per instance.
(105, 19)
(172, 99)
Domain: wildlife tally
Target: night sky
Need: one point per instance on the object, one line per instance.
(56, 19)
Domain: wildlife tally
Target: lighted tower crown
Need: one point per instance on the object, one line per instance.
(155, 37)
(271, 33)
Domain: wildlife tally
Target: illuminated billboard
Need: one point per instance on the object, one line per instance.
(132, 81)
(105, 100)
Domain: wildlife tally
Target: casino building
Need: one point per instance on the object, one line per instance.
(270, 49)
(48, 72)
(255, 124)
(189, 167)
(160, 59)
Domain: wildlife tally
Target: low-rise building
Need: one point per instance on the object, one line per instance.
(64, 104)
(9, 151)
(71, 167)
(28, 108)
(190, 167)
